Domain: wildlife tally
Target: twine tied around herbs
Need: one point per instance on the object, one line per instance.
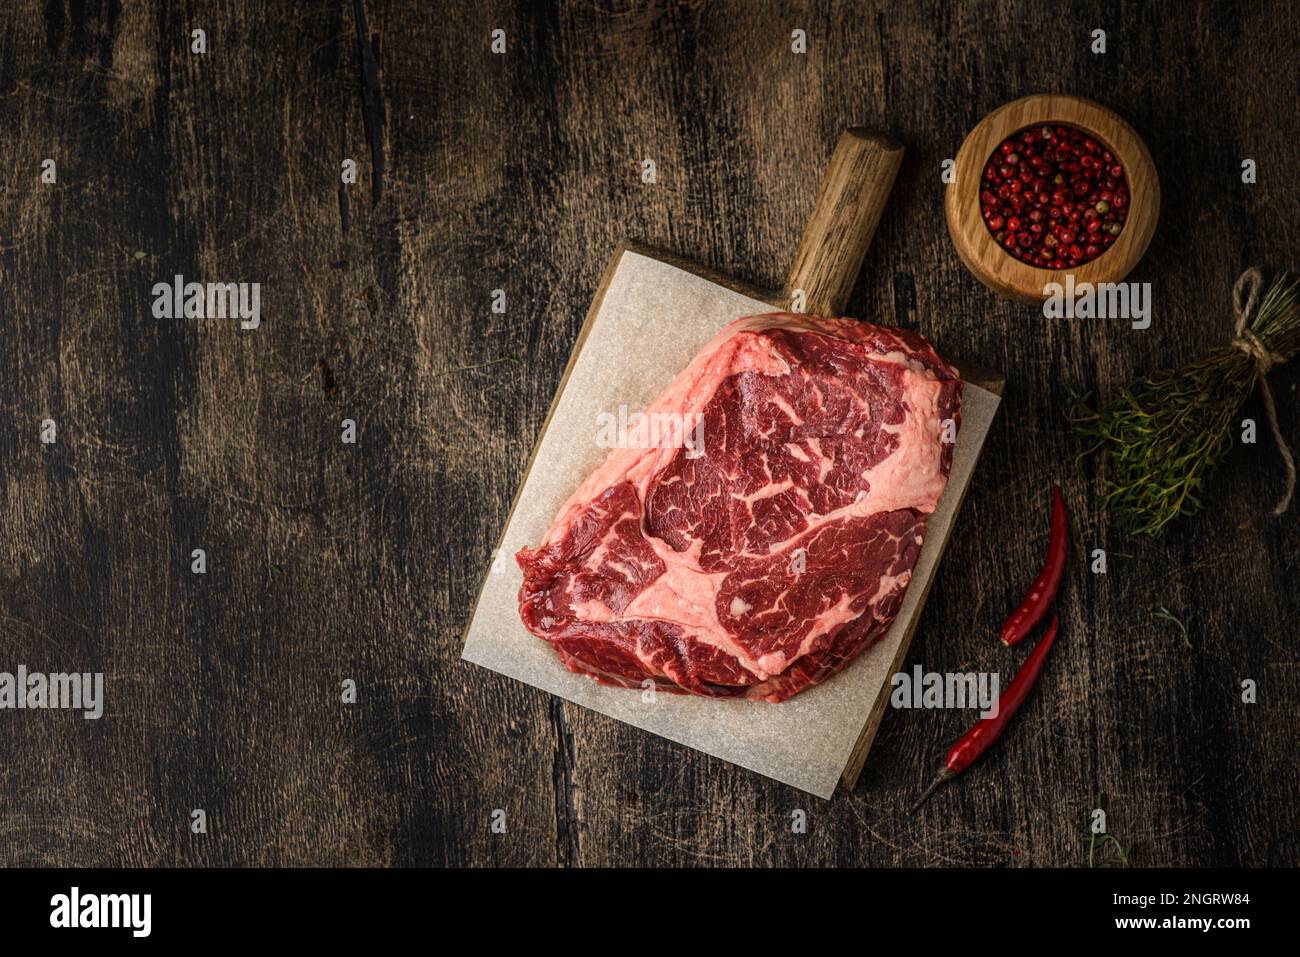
(1165, 433)
(1245, 297)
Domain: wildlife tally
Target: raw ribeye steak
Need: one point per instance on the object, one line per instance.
(761, 554)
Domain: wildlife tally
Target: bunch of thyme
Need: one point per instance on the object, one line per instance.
(1164, 434)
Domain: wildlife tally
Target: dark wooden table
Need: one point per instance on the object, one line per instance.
(329, 561)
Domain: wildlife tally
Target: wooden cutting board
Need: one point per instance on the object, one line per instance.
(650, 315)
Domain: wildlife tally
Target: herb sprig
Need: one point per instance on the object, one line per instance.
(1163, 435)
(1122, 854)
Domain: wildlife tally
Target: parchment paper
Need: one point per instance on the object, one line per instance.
(652, 320)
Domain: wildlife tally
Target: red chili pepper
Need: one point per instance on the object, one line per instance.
(987, 730)
(1043, 591)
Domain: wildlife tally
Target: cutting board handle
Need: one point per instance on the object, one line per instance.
(849, 204)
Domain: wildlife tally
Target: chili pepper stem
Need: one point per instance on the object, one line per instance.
(944, 775)
(986, 731)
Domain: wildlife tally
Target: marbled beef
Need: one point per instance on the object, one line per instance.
(763, 562)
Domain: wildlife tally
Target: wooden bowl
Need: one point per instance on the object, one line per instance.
(998, 269)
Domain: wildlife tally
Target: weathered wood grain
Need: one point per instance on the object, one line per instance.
(844, 217)
(520, 172)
